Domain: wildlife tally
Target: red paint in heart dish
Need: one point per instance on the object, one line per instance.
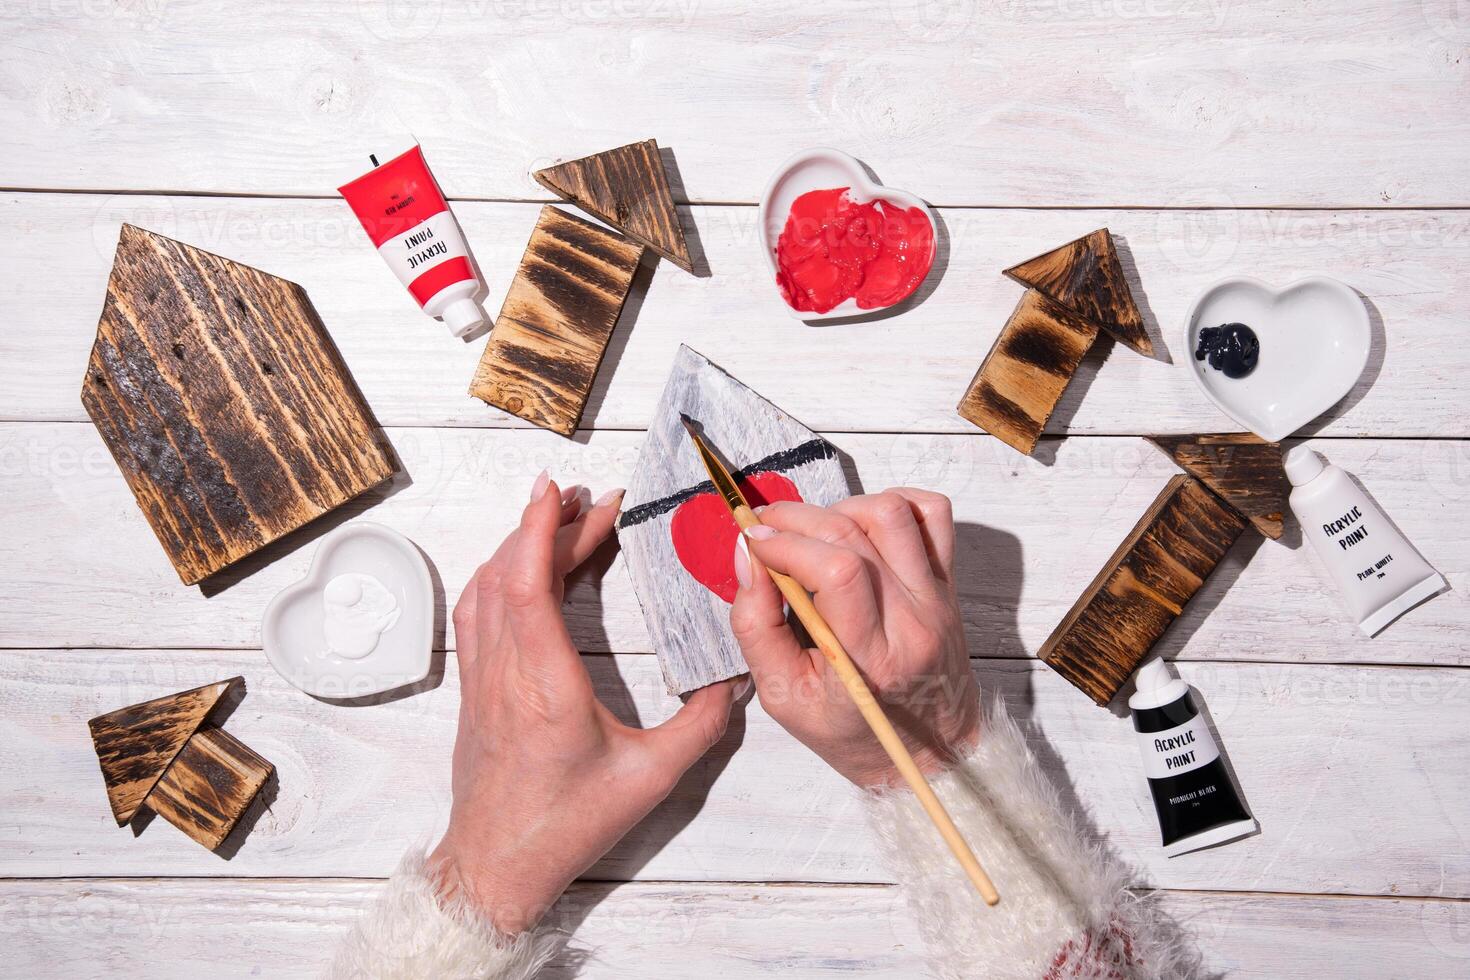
(704, 532)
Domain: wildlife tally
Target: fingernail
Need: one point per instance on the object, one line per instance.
(760, 532)
(570, 492)
(742, 563)
(542, 482)
(611, 497)
(743, 688)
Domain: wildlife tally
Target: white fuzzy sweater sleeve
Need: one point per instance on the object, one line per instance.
(409, 933)
(1065, 909)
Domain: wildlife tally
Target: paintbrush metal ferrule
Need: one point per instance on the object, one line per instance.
(724, 483)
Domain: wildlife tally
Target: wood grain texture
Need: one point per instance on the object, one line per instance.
(673, 931)
(224, 402)
(688, 624)
(1308, 743)
(210, 785)
(137, 744)
(1086, 277)
(1243, 469)
(412, 378)
(627, 188)
(557, 319)
(1031, 536)
(1021, 380)
(1195, 103)
(1143, 587)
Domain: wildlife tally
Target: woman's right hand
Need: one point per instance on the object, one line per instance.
(881, 571)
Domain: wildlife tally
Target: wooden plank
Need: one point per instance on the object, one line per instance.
(1086, 277)
(1031, 363)
(676, 534)
(1030, 538)
(357, 786)
(137, 744)
(220, 395)
(668, 931)
(1409, 266)
(1244, 470)
(210, 786)
(1195, 103)
(1142, 588)
(625, 187)
(558, 317)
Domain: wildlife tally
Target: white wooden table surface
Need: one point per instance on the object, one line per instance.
(1213, 136)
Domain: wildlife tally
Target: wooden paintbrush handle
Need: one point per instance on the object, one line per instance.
(806, 611)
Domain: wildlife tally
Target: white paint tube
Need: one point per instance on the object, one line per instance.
(1374, 566)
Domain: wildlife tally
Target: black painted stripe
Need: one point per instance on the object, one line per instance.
(785, 459)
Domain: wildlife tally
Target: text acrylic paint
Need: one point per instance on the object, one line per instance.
(404, 213)
(1195, 800)
(1376, 569)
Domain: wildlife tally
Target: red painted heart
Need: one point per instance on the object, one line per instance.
(704, 532)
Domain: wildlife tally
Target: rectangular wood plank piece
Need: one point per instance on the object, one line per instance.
(225, 403)
(677, 536)
(210, 786)
(1029, 366)
(1086, 277)
(1143, 587)
(557, 319)
(627, 188)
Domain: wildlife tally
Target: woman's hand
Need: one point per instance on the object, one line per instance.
(881, 570)
(546, 780)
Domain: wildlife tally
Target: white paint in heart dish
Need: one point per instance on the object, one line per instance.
(1315, 338)
(294, 632)
(822, 168)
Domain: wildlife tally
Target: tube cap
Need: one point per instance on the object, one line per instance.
(462, 316)
(1302, 465)
(1155, 685)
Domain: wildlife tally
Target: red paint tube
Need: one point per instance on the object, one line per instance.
(404, 213)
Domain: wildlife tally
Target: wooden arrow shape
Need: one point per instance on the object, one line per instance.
(627, 188)
(1244, 471)
(136, 745)
(1086, 277)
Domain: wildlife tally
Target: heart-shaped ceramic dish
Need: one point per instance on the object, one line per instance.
(1315, 338)
(292, 629)
(822, 168)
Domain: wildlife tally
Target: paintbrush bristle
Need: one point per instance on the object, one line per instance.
(691, 425)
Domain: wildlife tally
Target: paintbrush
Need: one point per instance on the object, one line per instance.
(806, 611)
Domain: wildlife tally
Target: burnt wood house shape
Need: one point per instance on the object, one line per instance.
(224, 402)
(164, 755)
(1073, 293)
(1234, 482)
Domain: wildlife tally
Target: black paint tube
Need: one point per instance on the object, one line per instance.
(1195, 799)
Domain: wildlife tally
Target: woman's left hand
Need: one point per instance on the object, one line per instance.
(546, 780)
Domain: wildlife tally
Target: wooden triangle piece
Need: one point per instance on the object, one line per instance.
(137, 744)
(1086, 277)
(1244, 471)
(627, 188)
